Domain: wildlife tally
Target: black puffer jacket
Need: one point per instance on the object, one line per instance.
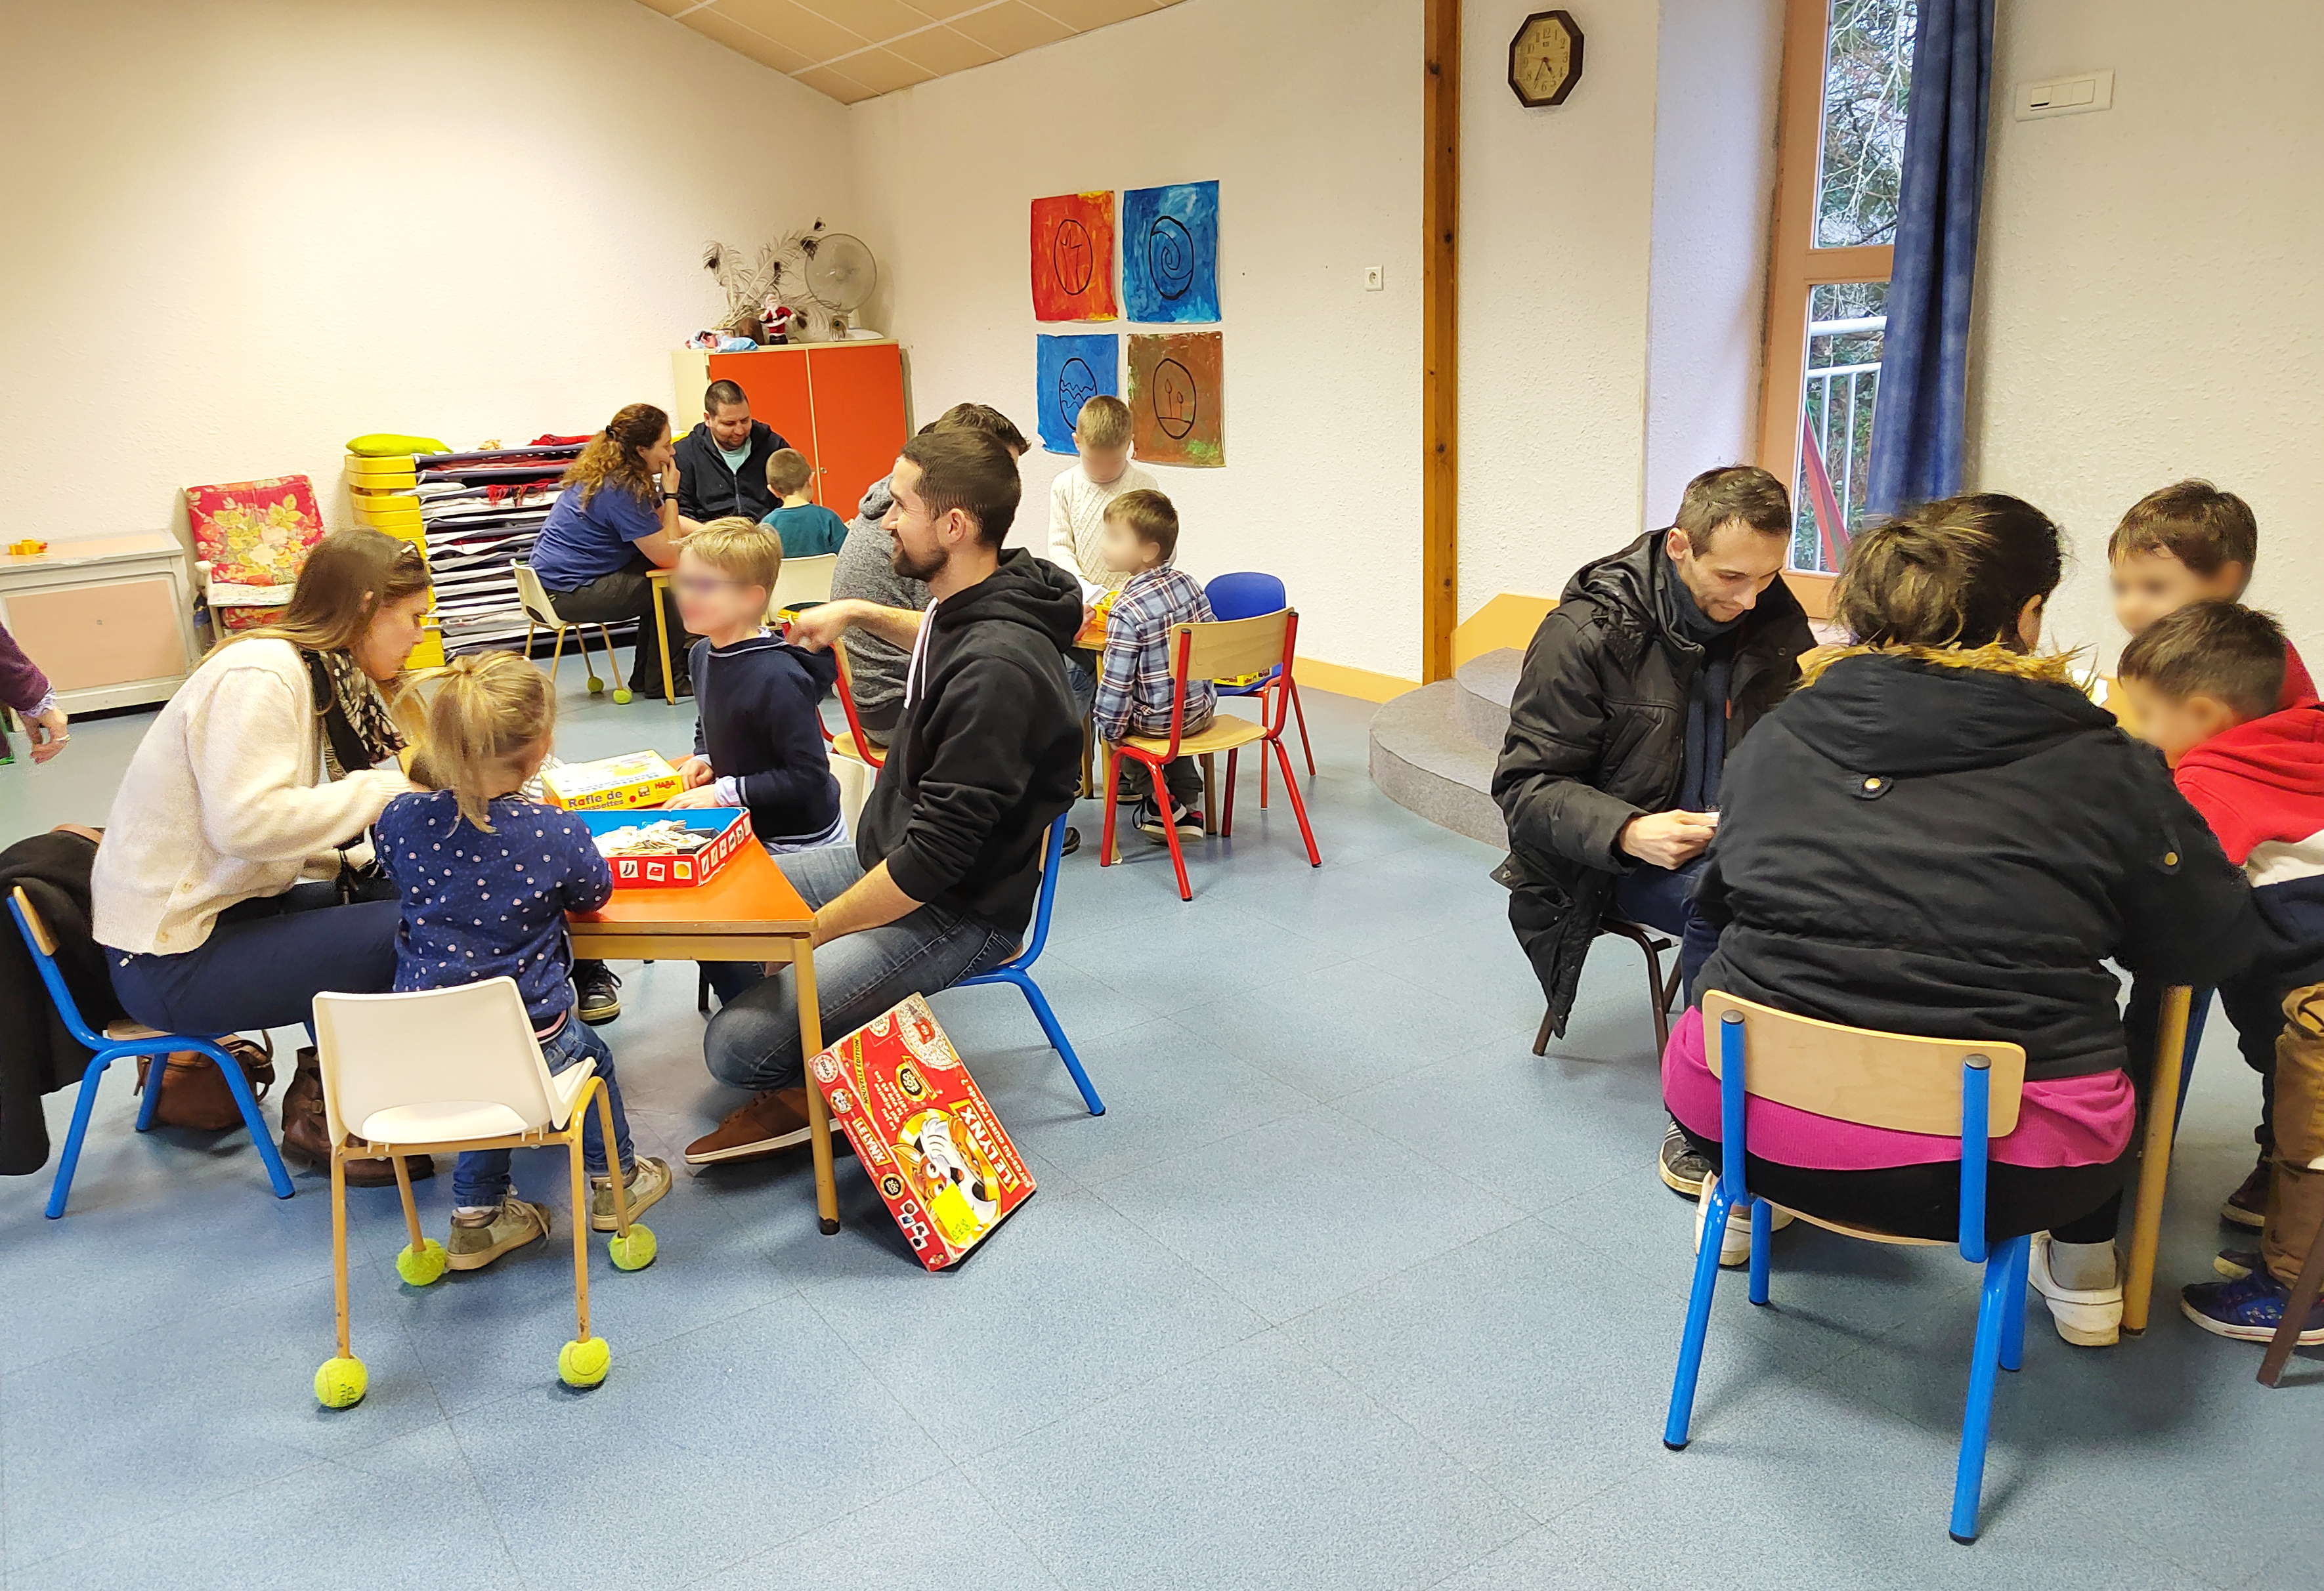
(1597, 736)
(1935, 848)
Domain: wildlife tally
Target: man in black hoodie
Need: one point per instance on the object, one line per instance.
(722, 463)
(1636, 688)
(946, 863)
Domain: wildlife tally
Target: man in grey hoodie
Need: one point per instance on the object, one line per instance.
(866, 570)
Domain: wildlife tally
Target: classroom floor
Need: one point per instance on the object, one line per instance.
(1345, 1290)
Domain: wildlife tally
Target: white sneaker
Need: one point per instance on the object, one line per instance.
(1735, 1243)
(2090, 1318)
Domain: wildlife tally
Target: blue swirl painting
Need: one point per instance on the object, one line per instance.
(1170, 252)
(1068, 372)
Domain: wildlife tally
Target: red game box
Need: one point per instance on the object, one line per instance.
(921, 1127)
(727, 828)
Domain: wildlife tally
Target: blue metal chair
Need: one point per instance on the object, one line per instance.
(1019, 970)
(121, 1040)
(1944, 1086)
(1247, 595)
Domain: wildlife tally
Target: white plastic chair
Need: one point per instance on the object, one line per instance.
(442, 1070)
(801, 581)
(540, 613)
(855, 781)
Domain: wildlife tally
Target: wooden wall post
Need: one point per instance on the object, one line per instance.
(1440, 342)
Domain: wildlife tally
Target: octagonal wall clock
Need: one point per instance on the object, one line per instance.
(1546, 59)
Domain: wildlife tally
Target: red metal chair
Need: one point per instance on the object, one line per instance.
(854, 742)
(1219, 649)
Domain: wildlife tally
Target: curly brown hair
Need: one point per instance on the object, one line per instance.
(615, 456)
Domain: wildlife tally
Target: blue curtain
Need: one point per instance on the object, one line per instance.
(1924, 396)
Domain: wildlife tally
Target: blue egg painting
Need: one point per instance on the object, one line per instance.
(1068, 372)
(1170, 253)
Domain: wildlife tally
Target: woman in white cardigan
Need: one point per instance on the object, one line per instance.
(230, 887)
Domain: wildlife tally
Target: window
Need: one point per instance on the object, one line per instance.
(1847, 75)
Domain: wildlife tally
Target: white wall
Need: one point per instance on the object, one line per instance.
(2148, 300)
(243, 231)
(1307, 112)
(1717, 68)
(1556, 214)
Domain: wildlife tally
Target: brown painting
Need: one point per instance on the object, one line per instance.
(1178, 398)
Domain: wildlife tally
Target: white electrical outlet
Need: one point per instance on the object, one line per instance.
(1374, 279)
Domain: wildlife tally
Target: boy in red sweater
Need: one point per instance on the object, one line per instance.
(2205, 681)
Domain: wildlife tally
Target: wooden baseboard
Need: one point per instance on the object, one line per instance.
(1362, 683)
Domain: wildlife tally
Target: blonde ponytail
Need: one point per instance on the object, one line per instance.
(483, 713)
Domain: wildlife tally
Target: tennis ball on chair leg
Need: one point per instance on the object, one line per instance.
(424, 1265)
(621, 693)
(583, 1364)
(341, 1383)
(595, 684)
(635, 1252)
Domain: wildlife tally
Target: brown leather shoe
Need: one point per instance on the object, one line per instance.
(773, 1121)
(307, 1134)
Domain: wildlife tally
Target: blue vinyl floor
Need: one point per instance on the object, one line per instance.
(1346, 1290)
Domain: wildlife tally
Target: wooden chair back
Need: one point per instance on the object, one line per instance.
(801, 581)
(1223, 648)
(1879, 1080)
(42, 939)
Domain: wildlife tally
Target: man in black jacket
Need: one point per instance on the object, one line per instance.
(947, 858)
(1654, 665)
(722, 463)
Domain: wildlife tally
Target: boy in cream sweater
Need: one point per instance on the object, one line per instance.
(1078, 500)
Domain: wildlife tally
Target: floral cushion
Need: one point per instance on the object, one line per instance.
(255, 532)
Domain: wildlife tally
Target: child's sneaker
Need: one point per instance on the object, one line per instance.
(2247, 1205)
(2236, 1263)
(1735, 1243)
(649, 1180)
(477, 1241)
(1152, 824)
(2249, 1309)
(2086, 1316)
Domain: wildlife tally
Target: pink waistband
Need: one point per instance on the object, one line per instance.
(2066, 1121)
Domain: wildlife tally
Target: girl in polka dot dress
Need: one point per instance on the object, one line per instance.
(486, 878)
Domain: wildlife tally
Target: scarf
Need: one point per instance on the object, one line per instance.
(355, 715)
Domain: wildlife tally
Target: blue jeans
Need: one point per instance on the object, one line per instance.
(481, 1179)
(1664, 898)
(729, 979)
(753, 1042)
(1081, 677)
(263, 963)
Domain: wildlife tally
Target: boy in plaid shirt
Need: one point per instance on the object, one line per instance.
(1133, 690)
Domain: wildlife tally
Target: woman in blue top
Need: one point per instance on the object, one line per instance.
(614, 522)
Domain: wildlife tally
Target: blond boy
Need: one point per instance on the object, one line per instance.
(1078, 501)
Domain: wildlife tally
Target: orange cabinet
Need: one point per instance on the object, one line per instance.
(840, 404)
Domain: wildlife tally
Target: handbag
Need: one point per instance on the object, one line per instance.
(194, 1091)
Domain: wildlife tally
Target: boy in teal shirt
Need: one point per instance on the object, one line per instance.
(808, 530)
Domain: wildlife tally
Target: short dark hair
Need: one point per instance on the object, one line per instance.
(969, 470)
(1150, 518)
(787, 471)
(980, 416)
(2224, 650)
(1730, 493)
(719, 394)
(2194, 521)
(1954, 572)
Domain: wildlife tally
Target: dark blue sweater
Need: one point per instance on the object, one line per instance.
(757, 722)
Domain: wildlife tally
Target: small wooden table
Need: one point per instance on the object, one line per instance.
(748, 912)
(658, 581)
(2154, 1163)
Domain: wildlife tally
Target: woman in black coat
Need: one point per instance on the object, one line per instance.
(1940, 834)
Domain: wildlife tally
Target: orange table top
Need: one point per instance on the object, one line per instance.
(749, 896)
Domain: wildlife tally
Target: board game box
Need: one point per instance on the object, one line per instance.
(610, 784)
(918, 1121)
(679, 851)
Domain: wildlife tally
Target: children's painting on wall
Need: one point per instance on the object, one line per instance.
(1170, 252)
(1068, 372)
(1072, 257)
(1177, 398)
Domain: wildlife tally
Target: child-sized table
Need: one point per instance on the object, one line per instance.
(748, 913)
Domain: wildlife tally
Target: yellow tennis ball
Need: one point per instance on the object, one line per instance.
(636, 1251)
(424, 1266)
(583, 1364)
(341, 1383)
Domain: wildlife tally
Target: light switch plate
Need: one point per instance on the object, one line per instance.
(2065, 97)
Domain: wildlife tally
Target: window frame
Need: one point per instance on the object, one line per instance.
(1795, 264)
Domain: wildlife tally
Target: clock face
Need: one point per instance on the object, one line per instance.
(1546, 59)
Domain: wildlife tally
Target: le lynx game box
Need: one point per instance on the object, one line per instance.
(920, 1124)
(681, 850)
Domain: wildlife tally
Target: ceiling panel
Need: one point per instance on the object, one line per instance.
(853, 50)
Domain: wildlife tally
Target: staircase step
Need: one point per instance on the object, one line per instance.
(1487, 683)
(1424, 758)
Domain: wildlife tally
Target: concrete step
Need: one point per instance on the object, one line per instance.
(1424, 758)
(1487, 683)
